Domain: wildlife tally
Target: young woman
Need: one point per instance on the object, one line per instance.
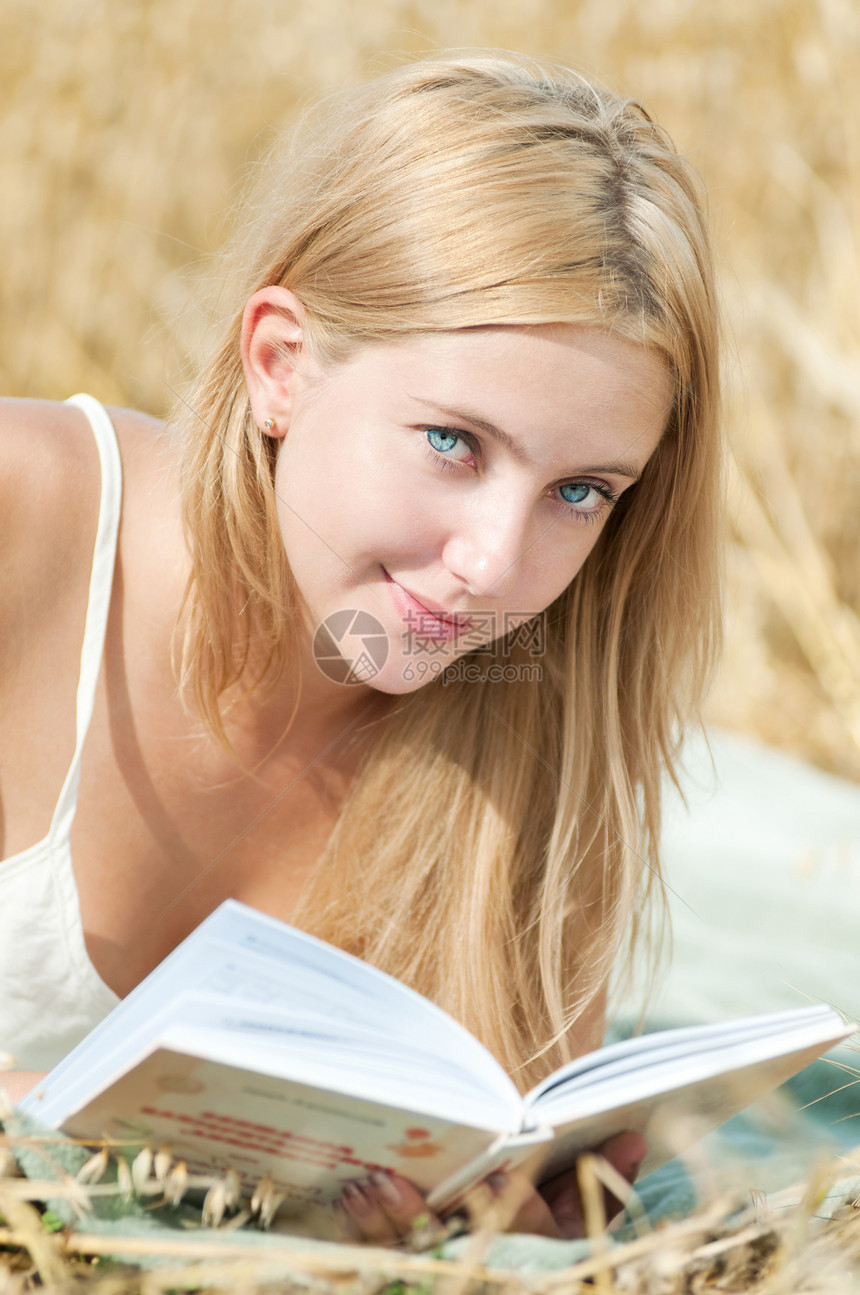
(459, 433)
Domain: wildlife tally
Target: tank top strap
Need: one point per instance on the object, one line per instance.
(98, 600)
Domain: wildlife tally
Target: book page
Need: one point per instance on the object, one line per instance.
(310, 1141)
(636, 1053)
(262, 966)
(671, 1121)
(349, 1058)
(682, 1084)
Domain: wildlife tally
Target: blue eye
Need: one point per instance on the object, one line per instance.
(441, 440)
(575, 493)
(587, 499)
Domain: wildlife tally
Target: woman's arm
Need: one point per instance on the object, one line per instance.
(49, 499)
(49, 491)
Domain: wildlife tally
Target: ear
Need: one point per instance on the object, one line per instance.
(273, 333)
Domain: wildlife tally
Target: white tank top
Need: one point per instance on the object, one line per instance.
(50, 993)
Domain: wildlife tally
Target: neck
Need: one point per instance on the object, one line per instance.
(304, 714)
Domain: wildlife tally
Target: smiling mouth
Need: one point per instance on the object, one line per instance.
(423, 622)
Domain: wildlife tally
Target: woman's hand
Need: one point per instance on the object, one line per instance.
(561, 1198)
(17, 1083)
(386, 1208)
(382, 1208)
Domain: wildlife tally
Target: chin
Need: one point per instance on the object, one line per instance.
(395, 682)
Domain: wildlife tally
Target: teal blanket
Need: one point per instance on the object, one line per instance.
(762, 861)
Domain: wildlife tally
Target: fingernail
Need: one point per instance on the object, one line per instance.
(497, 1182)
(386, 1188)
(356, 1201)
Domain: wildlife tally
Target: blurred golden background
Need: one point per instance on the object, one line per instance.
(128, 127)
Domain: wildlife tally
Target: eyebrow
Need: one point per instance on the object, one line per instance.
(618, 468)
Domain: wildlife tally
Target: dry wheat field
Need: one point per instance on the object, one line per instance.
(127, 129)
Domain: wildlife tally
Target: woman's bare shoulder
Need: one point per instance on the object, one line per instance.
(50, 487)
(42, 444)
(49, 466)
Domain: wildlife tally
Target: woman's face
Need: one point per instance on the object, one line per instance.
(451, 485)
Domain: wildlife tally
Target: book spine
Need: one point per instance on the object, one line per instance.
(508, 1151)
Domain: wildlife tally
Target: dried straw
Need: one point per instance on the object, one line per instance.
(770, 1246)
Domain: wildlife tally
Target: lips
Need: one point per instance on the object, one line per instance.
(423, 621)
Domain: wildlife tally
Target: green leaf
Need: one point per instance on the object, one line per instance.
(52, 1222)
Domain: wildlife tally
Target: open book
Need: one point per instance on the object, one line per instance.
(256, 1046)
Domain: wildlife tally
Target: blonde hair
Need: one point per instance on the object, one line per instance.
(500, 840)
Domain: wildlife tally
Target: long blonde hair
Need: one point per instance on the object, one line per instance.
(500, 841)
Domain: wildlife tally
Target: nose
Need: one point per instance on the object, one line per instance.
(486, 550)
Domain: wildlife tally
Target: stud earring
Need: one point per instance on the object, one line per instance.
(269, 424)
